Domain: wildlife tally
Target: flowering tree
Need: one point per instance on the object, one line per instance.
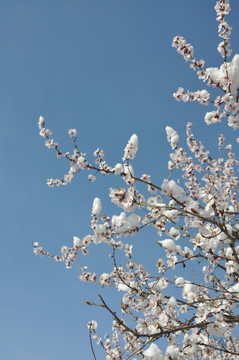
(196, 217)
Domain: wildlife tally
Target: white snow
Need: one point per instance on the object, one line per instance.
(131, 148)
(234, 289)
(218, 74)
(96, 208)
(172, 351)
(170, 245)
(154, 353)
(172, 136)
(77, 241)
(123, 224)
(173, 189)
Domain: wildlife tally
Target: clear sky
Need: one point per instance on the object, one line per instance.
(106, 68)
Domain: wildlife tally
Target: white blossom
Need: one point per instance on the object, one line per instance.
(72, 132)
(92, 325)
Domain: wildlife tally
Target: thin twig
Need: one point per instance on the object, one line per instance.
(91, 345)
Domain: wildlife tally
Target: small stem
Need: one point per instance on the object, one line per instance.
(91, 345)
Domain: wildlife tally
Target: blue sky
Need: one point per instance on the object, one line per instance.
(106, 68)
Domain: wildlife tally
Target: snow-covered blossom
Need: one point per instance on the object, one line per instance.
(129, 174)
(232, 267)
(234, 290)
(172, 189)
(96, 208)
(105, 279)
(227, 75)
(118, 169)
(131, 148)
(125, 225)
(204, 97)
(179, 281)
(190, 292)
(41, 122)
(172, 351)
(172, 136)
(77, 241)
(169, 245)
(175, 233)
(154, 353)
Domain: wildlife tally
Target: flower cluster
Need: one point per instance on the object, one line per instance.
(222, 8)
